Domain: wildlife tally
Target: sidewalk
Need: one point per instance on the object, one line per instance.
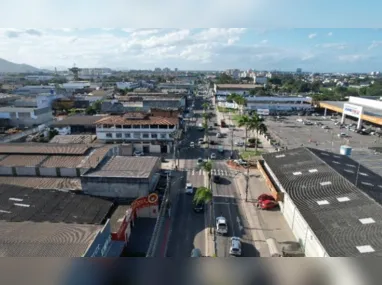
(262, 224)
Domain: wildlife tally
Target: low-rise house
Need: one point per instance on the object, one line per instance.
(26, 117)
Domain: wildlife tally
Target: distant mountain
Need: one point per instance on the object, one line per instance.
(7, 66)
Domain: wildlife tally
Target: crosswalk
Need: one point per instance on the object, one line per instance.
(219, 172)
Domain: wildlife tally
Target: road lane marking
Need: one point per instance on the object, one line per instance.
(230, 218)
(193, 172)
(239, 224)
(200, 172)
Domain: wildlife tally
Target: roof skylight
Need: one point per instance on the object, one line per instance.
(336, 162)
(366, 183)
(363, 174)
(323, 202)
(280, 155)
(365, 248)
(350, 165)
(349, 170)
(325, 183)
(313, 170)
(366, 221)
(297, 173)
(343, 199)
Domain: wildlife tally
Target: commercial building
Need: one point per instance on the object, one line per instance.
(127, 85)
(51, 160)
(147, 133)
(30, 90)
(76, 125)
(265, 105)
(332, 203)
(39, 77)
(122, 177)
(177, 85)
(359, 108)
(49, 223)
(241, 89)
(26, 117)
(260, 79)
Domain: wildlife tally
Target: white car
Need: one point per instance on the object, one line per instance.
(192, 144)
(221, 225)
(213, 155)
(239, 143)
(189, 189)
(138, 153)
(240, 162)
(235, 248)
(218, 135)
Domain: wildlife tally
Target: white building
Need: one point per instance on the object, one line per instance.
(39, 77)
(272, 104)
(26, 117)
(75, 85)
(147, 133)
(260, 79)
(127, 85)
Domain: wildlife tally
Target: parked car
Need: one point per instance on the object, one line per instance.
(240, 162)
(213, 155)
(192, 144)
(239, 143)
(264, 197)
(138, 153)
(267, 204)
(200, 161)
(196, 252)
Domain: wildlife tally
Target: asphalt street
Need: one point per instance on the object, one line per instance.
(189, 229)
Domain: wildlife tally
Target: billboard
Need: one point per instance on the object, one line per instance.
(264, 112)
(352, 110)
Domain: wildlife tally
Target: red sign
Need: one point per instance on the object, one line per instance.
(144, 202)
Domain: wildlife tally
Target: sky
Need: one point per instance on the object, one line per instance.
(317, 36)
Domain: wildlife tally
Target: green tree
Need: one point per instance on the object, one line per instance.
(207, 167)
(52, 133)
(243, 121)
(203, 195)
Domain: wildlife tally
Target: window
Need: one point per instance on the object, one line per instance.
(127, 136)
(118, 135)
(154, 136)
(109, 135)
(163, 136)
(145, 136)
(137, 135)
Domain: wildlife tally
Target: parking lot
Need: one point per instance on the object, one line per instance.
(291, 134)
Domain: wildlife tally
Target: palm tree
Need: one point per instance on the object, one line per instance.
(207, 167)
(256, 123)
(205, 106)
(203, 195)
(243, 121)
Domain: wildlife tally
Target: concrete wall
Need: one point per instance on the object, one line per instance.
(6, 170)
(26, 171)
(68, 172)
(114, 187)
(48, 172)
(126, 150)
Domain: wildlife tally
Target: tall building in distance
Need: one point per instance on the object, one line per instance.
(299, 70)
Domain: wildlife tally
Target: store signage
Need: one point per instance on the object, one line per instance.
(264, 112)
(144, 202)
(352, 110)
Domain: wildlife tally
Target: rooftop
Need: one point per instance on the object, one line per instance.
(238, 86)
(16, 109)
(22, 204)
(120, 120)
(29, 239)
(43, 148)
(22, 160)
(344, 217)
(117, 218)
(126, 166)
(367, 110)
(73, 139)
(77, 121)
(55, 183)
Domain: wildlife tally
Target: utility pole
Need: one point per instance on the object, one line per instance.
(247, 184)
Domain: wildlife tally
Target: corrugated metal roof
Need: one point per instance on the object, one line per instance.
(55, 183)
(22, 160)
(43, 148)
(29, 239)
(118, 120)
(67, 161)
(73, 139)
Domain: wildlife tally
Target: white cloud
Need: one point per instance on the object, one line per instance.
(330, 34)
(375, 44)
(264, 41)
(312, 36)
(338, 46)
(352, 57)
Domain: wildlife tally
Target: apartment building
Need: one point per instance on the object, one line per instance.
(26, 117)
(147, 133)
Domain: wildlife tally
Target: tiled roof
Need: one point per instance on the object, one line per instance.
(21, 204)
(96, 156)
(29, 239)
(42, 148)
(22, 160)
(330, 203)
(238, 86)
(55, 183)
(126, 166)
(73, 139)
(118, 120)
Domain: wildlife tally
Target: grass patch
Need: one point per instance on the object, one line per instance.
(249, 154)
(236, 118)
(226, 110)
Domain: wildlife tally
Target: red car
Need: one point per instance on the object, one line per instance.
(264, 197)
(267, 204)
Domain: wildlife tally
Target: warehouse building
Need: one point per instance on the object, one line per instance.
(123, 177)
(331, 203)
(49, 223)
(358, 108)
